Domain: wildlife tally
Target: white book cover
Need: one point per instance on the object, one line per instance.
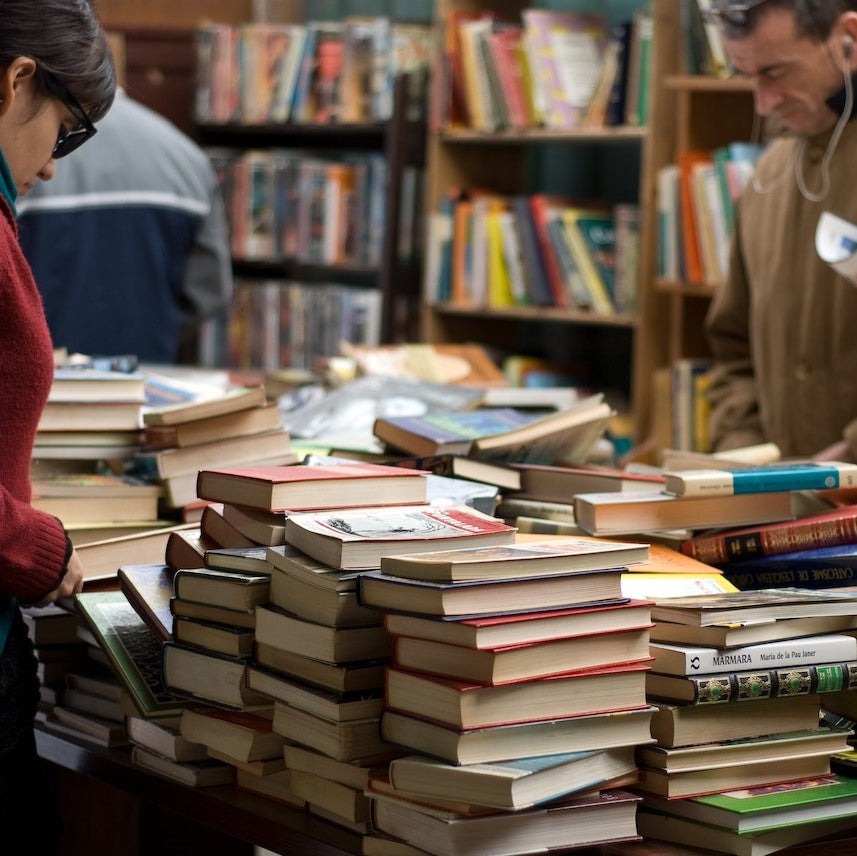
(692, 660)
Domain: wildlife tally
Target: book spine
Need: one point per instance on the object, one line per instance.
(763, 480)
(773, 683)
(772, 540)
(768, 572)
(820, 649)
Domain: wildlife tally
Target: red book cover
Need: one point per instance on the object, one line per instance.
(541, 205)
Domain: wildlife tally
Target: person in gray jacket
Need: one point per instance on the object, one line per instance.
(129, 243)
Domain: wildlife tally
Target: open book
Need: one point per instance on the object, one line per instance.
(836, 244)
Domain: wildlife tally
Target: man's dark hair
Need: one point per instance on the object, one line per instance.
(814, 19)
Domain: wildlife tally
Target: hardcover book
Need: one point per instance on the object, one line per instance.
(734, 686)
(696, 660)
(605, 817)
(224, 401)
(522, 740)
(466, 705)
(357, 539)
(523, 627)
(521, 662)
(227, 589)
(703, 610)
(489, 597)
(758, 809)
(515, 560)
(511, 785)
(820, 567)
(301, 487)
(619, 513)
(773, 477)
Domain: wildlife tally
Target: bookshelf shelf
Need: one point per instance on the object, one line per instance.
(292, 269)
(620, 134)
(701, 83)
(537, 313)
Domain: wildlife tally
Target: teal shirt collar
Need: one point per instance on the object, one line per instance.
(7, 184)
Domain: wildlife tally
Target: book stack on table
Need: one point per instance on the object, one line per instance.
(740, 680)
(236, 426)
(517, 690)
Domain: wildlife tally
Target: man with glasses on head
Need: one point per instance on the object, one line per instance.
(129, 242)
(783, 327)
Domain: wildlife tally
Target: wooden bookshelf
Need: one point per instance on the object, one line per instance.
(512, 162)
(401, 140)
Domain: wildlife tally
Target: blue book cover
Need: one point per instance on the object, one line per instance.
(766, 479)
(462, 425)
(819, 567)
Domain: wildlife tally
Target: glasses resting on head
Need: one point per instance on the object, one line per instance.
(68, 141)
(733, 11)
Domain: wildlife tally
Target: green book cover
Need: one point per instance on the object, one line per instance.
(132, 648)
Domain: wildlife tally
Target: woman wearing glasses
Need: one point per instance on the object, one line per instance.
(56, 79)
(782, 326)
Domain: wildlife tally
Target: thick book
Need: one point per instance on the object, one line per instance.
(749, 750)
(560, 484)
(717, 779)
(220, 638)
(217, 529)
(595, 819)
(338, 707)
(513, 784)
(522, 662)
(208, 677)
(698, 660)
(462, 467)
(681, 724)
(515, 560)
(772, 477)
(194, 774)
(358, 538)
(227, 589)
(523, 740)
(250, 560)
(229, 451)
(281, 629)
(489, 597)
(751, 632)
(132, 649)
(684, 831)
(736, 606)
(149, 589)
(732, 686)
(164, 738)
(349, 740)
(466, 705)
(620, 513)
(88, 384)
(253, 420)
(301, 487)
(257, 524)
(818, 567)
(217, 404)
(450, 433)
(754, 809)
(241, 734)
(519, 628)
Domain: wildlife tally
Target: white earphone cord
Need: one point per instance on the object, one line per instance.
(798, 156)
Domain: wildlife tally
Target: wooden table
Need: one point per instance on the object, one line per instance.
(111, 806)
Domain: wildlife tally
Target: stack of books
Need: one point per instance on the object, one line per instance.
(235, 427)
(91, 414)
(739, 680)
(517, 680)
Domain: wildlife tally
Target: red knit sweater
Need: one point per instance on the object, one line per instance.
(32, 543)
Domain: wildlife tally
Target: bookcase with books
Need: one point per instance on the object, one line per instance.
(321, 199)
(530, 184)
(694, 116)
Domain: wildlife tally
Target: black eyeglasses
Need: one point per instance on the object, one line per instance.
(68, 141)
(733, 11)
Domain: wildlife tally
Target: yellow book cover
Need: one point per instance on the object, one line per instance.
(499, 281)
